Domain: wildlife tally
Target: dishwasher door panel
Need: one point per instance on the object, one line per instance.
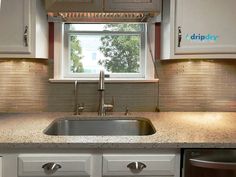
(209, 163)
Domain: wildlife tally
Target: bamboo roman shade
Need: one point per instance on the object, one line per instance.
(100, 17)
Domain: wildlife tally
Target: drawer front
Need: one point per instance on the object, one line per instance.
(70, 164)
(161, 164)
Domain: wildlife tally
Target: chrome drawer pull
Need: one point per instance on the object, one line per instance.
(26, 36)
(179, 36)
(51, 167)
(136, 166)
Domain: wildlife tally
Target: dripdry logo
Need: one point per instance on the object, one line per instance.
(202, 37)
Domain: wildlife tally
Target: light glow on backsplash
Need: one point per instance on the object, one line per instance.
(22, 89)
(185, 85)
(197, 85)
(25, 88)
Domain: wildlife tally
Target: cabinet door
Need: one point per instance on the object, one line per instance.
(40, 165)
(147, 164)
(15, 26)
(132, 5)
(205, 27)
(73, 5)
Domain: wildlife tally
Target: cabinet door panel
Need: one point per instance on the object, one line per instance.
(207, 27)
(73, 5)
(117, 164)
(132, 5)
(70, 164)
(15, 27)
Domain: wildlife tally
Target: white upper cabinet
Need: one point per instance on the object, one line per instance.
(15, 31)
(133, 5)
(103, 5)
(23, 31)
(199, 29)
(73, 5)
(206, 26)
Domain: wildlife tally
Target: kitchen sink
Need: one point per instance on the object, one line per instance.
(97, 126)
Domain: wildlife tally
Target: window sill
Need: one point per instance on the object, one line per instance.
(95, 80)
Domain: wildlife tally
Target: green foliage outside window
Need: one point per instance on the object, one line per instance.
(76, 55)
(122, 52)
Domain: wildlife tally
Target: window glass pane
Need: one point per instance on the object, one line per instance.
(116, 48)
(129, 27)
(114, 53)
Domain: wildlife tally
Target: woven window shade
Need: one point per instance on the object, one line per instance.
(101, 17)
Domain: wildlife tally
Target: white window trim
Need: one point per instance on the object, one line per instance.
(59, 61)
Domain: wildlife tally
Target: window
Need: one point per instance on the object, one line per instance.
(120, 49)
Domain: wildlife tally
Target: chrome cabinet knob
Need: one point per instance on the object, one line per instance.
(136, 166)
(51, 167)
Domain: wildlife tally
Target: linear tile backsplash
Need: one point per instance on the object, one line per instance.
(197, 85)
(24, 87)
(185, 85)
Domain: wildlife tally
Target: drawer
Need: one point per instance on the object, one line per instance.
(152, 164)
(70, 164)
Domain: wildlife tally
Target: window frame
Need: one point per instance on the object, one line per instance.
(68, 32)
(59, 61)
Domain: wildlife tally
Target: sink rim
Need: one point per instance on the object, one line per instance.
(102, 118)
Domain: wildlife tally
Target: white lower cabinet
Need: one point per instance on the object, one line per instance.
(140, 165)
(94, 163)
(40, 165)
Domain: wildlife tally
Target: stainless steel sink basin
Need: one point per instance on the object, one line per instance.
(102, 127)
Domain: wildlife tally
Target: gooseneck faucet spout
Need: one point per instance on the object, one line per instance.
(101, 88)
(101, 84)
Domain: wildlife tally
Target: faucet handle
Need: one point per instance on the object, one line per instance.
(80, 109)
(127, 111)
(110, 107)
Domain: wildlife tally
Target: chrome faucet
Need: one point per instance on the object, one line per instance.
(101, 88)
(78, 108)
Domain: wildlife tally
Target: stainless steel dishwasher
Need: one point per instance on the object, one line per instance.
(209, 163)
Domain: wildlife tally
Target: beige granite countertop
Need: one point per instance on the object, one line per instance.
(174, 130)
